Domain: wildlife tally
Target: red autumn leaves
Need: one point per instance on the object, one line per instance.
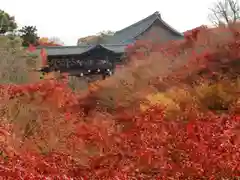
(140, 145)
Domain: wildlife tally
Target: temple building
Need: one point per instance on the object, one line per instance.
(85, 59)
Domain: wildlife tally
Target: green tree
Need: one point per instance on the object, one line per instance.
(29, 35)
(16, 63)
(7, 23)
(99, 38)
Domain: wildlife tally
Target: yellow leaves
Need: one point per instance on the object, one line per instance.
(159, 99)
(177, 101)
(179, 94)
(44, 40)
(3, 135)
(94, 86)
(218, 96)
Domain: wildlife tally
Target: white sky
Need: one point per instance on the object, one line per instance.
(72, 19)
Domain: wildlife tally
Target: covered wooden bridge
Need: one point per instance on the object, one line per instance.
(83, 60)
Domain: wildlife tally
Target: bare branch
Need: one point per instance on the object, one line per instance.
(225, 12)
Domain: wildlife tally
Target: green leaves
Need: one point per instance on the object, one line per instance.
(7, 23)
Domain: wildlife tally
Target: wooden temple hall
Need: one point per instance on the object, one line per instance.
(84, 60)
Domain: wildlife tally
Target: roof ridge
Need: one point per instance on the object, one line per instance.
(156, 14)
(158, 17)
(170, 27)
(114, 44)
(62, 47)
(80, 46)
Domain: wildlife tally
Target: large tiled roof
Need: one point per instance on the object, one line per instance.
(129, 33)
(116, 43)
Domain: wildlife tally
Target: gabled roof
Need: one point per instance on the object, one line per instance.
(77, 50)
(66, 50)
(116, 43)
(129, 33)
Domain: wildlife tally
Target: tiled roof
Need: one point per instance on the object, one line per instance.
(117, 48)
(129, 33)
(116, 43)
(76, 50)
(67, 50)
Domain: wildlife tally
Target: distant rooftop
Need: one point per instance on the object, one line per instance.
(129, 33)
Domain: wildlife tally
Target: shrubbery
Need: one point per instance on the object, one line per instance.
(16, 64)
(173, 113)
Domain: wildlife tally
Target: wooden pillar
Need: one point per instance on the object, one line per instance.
(67, 62)
(54, 64)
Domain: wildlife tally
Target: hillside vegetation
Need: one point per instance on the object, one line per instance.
(172, 113)
(16, 63)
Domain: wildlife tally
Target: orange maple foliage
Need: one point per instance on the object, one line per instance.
(46, 42)
(75, 135)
